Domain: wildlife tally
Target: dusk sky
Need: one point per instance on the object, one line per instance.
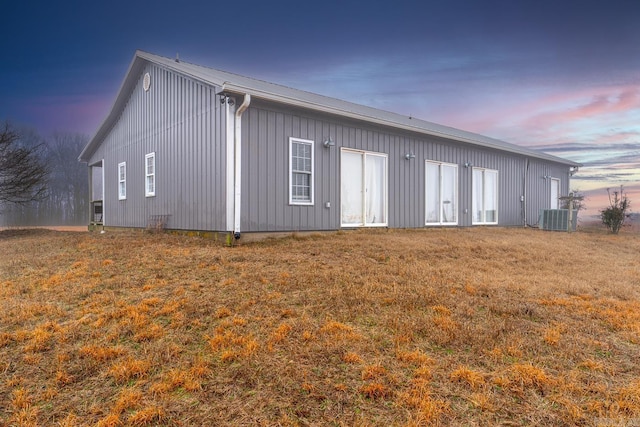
(562, 76)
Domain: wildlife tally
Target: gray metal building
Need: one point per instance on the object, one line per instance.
(195, 148)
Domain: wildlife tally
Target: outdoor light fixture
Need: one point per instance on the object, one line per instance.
(410, 155)
(328, 142)
(224, 98)
(468, 165)
(546, 177)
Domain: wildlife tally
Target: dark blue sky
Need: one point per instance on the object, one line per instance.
(561, 74)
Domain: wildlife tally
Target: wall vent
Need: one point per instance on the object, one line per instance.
(146, 82)
(556, 220)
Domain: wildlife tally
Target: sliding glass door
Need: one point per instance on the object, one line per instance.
(363, 184)
(441, 184)
(485, 196)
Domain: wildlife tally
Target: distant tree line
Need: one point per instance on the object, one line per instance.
(59, 194)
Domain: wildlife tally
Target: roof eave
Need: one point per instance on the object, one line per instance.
(229, 87)
(140, 58)
(103, 129)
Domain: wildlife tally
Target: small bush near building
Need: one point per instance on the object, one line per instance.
(613, 216)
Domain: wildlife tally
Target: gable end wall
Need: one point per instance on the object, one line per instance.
(183, 122)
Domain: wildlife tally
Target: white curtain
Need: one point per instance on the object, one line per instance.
(433, 193)
(478, 196)
(491, 196)
(449, 193)
(375, 189)
(351, 185)
(363, 188)
(442, 193)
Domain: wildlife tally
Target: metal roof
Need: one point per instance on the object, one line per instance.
(237, 84)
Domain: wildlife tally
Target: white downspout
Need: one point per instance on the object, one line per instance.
(90, 169)
(238, 164)
(524, 191)
(104, 201)
(230, 165)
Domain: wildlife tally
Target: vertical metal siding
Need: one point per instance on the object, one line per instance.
(265, 192)
(540, 187)
(266, 131)
(182, 122)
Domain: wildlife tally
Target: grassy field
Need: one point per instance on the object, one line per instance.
(481, 326)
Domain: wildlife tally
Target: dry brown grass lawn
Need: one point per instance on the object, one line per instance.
(482, 326)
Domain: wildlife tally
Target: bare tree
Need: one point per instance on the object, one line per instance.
(23, 174)
(68, 187)
(578, 201)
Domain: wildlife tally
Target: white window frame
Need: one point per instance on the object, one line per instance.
(484, 171)
(556, 202)
(122, 181)
(150, 176)
(440, 187)
(293, 172)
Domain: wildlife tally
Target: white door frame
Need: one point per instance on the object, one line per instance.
(385, 199)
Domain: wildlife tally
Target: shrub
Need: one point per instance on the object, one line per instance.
(613, 216)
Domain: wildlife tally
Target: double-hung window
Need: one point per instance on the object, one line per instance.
(150, 174)
(441, 207)
(122, 181)
(485, 196)
(300, 171)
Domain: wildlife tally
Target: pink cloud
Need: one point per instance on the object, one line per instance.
(615, 137)
(628, 100)
(606, 118)
(602, 102)
(551, 117)
(598, 199)
(68, 113)
(606, 104)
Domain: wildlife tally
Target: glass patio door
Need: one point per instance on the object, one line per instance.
(363, 185)
(485, 196)
(441, 194)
